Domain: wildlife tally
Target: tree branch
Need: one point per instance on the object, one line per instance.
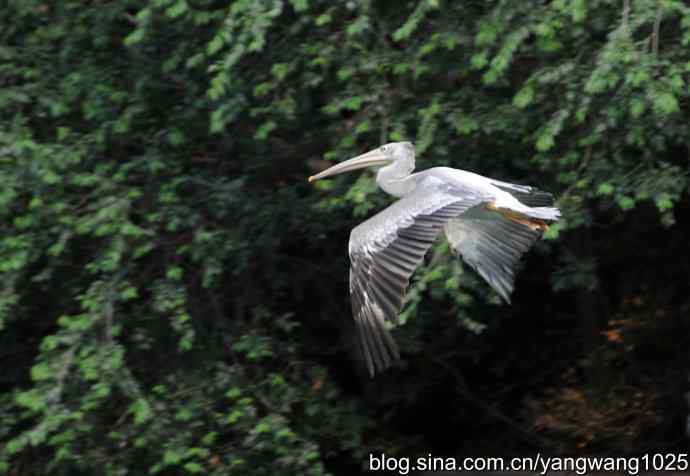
(626, 16)
(655, 34)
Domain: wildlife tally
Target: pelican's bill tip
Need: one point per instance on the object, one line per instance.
(311, 179)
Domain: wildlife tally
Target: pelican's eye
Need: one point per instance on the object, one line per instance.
(383, 148)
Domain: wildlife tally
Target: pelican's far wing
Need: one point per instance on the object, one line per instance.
(384, 252)
(530, 196)
(492, 244)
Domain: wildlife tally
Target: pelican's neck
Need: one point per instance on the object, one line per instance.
(395, 179)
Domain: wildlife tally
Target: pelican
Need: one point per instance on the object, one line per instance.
(489, 223)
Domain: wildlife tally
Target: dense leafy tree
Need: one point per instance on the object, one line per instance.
(174, 294)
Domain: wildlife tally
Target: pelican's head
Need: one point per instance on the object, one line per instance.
(399, 153)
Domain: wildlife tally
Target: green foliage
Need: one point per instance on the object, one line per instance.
(167, 275)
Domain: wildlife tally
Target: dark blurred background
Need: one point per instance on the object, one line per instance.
(174, 294)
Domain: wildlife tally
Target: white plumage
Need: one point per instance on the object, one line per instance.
(488, 222)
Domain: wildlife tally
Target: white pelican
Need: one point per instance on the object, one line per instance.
(488, 222)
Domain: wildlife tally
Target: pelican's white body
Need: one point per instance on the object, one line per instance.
(398, 180)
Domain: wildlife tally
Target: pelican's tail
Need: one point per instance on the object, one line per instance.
(535, 218)
(543, 213)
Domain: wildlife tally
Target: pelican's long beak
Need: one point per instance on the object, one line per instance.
(374, 157)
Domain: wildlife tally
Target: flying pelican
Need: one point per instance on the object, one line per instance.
(488, 222)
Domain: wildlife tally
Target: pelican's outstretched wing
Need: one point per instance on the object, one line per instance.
(384, 252)
(492, 244)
